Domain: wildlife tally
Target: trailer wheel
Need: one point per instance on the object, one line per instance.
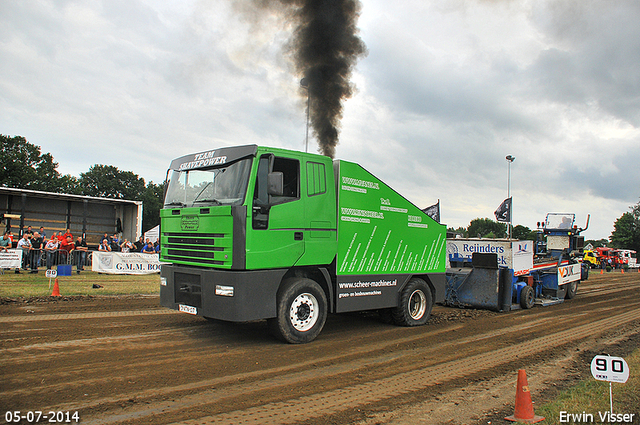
(527, 297)
(572, 289)
(415, 304)
(301, 311)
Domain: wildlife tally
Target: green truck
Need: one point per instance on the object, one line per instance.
(251, 233)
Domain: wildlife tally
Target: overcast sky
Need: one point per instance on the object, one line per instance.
(447, 90)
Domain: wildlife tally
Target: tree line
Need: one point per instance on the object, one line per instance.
(24, 166)
(487, 228)
(626, 233)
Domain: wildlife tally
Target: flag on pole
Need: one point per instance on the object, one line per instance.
(503, 213)
(433, 211)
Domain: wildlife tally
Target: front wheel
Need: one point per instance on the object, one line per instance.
(415, 304)
(301, 311)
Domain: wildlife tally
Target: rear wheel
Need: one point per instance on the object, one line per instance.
(527, 297)
(415, 304)
(572, 289)
(301, 311)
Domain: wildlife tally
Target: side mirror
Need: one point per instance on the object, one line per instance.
(275, 183)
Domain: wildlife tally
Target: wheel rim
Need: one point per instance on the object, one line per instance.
(304, 312)
(417, 304)
(530, 298)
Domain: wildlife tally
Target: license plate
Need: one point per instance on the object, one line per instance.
(188, 309)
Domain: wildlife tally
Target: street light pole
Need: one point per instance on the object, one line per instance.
(510, 159)
(304, 83)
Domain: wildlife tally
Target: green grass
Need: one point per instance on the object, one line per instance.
(592, 396)
(25, 284)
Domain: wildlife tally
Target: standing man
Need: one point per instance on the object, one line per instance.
(139, 244)
(68, 234)
(66, 247)
(5, 242)
(36, 246)
(25, 245)
(51, 248)
(81, 253)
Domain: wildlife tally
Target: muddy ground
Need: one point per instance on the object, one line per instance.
(126, 360)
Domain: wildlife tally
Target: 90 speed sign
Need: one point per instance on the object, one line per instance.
(608, 368)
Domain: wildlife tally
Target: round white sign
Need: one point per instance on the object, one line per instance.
(608, 368)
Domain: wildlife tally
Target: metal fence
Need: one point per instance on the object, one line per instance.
(50, 258)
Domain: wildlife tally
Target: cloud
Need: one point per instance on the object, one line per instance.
(592, 55)
(448, 89)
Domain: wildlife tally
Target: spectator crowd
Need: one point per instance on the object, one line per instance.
(60, 248)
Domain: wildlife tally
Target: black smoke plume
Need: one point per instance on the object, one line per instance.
(325, 48)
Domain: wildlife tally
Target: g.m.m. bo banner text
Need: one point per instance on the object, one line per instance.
(125, 263)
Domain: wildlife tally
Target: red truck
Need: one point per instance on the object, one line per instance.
(607, 256)
(617, 258)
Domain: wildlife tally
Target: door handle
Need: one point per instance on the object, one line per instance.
(298, 236)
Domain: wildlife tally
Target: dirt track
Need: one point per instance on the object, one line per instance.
(127, 360)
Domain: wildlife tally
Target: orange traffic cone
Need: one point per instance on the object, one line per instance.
(622, 270)
(56, 289)
(601, 271)
(524, 405)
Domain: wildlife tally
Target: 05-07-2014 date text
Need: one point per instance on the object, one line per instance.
(36, 416)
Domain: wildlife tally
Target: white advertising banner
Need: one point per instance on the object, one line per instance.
(125, 263)
(522, 252)
(569, 273)
(515, 255)
(11, 259)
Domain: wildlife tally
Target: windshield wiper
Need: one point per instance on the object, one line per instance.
(175, 204)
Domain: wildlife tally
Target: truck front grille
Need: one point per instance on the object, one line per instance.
(198, 248)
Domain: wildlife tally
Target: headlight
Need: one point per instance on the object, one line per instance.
(225, 291)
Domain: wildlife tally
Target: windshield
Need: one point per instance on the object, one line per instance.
(216, 186)
(559, 221)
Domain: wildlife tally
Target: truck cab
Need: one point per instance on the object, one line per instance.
(590, 258)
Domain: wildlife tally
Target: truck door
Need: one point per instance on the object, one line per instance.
(275, 237)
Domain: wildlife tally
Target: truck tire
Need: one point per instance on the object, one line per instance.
(527, 297)
(572, 289)
(585, 271)
(301, 311)
(415, 304)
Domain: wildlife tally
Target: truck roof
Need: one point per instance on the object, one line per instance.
(226, 155)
